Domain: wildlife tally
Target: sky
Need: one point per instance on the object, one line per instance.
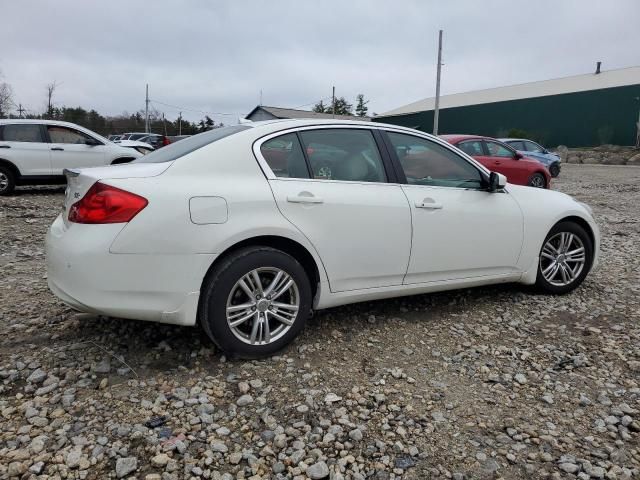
(216, 56)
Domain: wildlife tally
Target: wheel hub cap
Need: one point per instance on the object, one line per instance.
(262, 306)
(562, 259)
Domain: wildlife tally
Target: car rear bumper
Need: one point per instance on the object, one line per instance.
(156, 287)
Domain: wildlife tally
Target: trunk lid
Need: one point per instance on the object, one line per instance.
(80, 180)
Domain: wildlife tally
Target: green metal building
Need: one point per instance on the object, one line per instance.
(579, 111)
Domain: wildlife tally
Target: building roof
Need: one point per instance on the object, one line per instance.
(279, 112)
(556, 86)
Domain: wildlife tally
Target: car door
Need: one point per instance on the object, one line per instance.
(460, 230)
(24, 145)
(332, 184)
(69, 149)
(503, 159)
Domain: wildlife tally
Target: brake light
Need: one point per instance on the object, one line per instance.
(165, 141)
(106, 204)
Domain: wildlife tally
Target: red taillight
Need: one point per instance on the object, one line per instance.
(165, 141)
(106, 204)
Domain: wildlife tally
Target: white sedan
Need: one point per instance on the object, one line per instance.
(246, 229)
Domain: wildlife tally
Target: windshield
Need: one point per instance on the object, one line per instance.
(176, 150)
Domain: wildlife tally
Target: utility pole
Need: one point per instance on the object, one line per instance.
(436, 110)
(146, 111)
(20, 110)
(180, 124)
(260, 97)
(164, 124)
(333, 102)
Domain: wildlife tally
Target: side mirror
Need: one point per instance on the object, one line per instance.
(92, 142)
(497, 181)
(518, 156)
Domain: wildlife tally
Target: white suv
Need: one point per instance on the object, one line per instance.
(37, 151)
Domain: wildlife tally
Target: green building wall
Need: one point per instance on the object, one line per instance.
(579, 119)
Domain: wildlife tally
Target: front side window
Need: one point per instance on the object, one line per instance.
(343, 154)
(471, 147)
(284, 156)
(427, 163)
(533, 147)
(498, 150)
(66, 135)
(21, 133)
(517, 144)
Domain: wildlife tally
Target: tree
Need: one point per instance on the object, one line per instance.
(6, 98)
(341, 107)
(320, 107)
(361, 106)
(51, 88)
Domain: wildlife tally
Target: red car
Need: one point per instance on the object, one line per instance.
(501, 158)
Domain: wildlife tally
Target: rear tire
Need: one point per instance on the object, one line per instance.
(537, 180)
(567, 248)
(247, 319)
(7, 181)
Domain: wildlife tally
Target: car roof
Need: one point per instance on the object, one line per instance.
(515, 140)
(455, 137)
(6, 121)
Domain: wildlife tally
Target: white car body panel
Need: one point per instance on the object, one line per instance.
(356, 224)
(365, 239)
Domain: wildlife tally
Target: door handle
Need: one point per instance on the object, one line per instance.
(496, 162)
(429, 205)
(304, 199)
(5, 146)
(58, 149)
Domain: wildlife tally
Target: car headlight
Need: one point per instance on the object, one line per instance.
(143, 151)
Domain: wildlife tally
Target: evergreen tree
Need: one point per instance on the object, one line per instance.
(361, 106)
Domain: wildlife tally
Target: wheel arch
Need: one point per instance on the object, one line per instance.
(120, 160)
(11, 166)
(287, 245)
(582, 223)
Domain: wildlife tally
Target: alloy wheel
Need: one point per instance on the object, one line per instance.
(537, 181)
(4, 181)
(262, 306)
(562, 259)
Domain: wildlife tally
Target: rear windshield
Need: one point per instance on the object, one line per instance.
(176, 150)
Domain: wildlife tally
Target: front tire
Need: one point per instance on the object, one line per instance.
(7, 181)
(554, 170)
(255, 302)
(565, 258)
(537, 180)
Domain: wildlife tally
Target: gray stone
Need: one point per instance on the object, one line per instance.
(318, 471)
(244, 400)
(126, 465)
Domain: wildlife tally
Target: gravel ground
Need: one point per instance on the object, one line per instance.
(494, 382)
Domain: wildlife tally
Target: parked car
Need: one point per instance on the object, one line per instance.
(153, 139)
(37, 151)
(536, 151)
(141, 147)
(113, 138)
(501, 158)
(246, 228)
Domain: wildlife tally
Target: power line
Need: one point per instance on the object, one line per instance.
(186, 109)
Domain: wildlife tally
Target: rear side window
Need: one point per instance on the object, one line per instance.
(427, 163)
(179, 149)
(284, 156)
(472, 148)
(343, 154)
(21, 133)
